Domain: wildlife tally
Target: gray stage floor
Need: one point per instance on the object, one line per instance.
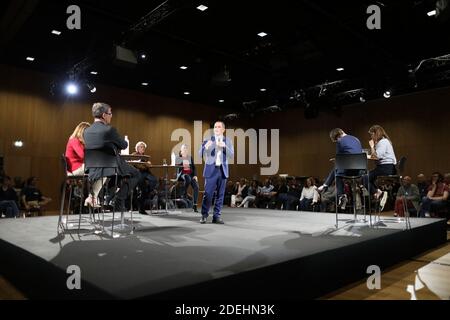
(174, 250)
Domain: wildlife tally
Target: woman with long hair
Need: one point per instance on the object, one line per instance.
(381, 150)
(75, 150)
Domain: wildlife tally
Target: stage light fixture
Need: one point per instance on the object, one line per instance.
(30, 58)
(56, 32)
(387, 94)
(71, 88)
(340, 69)
(221, 101)
(91, 88)
(186, 93)
(262, 34)
(183, 67)
(94, 73)
(202, 7)
(431, 13)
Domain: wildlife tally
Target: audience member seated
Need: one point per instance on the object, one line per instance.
(281, 194)
(251, 195)
(240, 192)
(147, 181)
(436, 199)
(423, 185)
(309, 196)
(291, 199)
(32, 198)
(328, 199)
(8, 198)
(265, 194)
(409, 192)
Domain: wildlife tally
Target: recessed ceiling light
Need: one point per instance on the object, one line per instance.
(56, 32)
(340, 69)
(30, 59)
(262, 34)
(202, 7)
(431, 13)
(183, 67)
(143, 56)
(221, 101)
(94, 72)
(145, 84)
(187, 93)
(263, 89)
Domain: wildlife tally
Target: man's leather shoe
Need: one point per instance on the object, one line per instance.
(195, 208)
(203, 220)
(218, 221)
(142, 211)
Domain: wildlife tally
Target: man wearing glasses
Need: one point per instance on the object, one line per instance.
(101, 135)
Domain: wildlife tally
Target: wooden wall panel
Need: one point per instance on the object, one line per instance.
(418, 125)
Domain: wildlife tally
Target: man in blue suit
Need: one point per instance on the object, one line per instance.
(217, 150)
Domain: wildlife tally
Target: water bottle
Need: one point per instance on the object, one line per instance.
(172, 159)
(126, 151)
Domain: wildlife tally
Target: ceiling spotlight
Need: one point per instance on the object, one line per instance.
(187, 93)
(144, 84)
(143, 56)
(387, 94)
(263, 89)
(431, 13)
(30, 58)
(94, 72)
(340, 69)
(202, 7)
(18, 144)
(221, 101)
(183, 67)
(262, 34)
(72, 88)
(56, 32)
(91, 88)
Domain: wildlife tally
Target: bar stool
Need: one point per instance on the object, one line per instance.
(105, 160)
(68, 179)
(356, 162)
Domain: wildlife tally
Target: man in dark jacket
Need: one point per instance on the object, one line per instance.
(100, 135)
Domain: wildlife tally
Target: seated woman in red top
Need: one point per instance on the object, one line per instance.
(75, 151)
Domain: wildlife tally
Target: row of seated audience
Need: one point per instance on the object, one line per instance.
(424, 199)
(20, 196)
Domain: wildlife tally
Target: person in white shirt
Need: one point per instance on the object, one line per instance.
(382, 151)
(309, 196)
(217, 150)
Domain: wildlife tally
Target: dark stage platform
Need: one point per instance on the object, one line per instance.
(263, 254)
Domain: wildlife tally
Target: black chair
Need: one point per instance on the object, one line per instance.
(68, 180)
(106, 160)
(356, 164)
(397, 179)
